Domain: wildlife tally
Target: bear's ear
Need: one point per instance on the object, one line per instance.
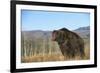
(54, 35)
(60, 36)
(54, 31)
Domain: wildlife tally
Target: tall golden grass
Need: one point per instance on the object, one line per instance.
(48, 51)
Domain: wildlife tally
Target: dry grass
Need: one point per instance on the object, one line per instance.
(41, 58)
(55, 57)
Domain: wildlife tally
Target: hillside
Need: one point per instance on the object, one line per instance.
(84, 32)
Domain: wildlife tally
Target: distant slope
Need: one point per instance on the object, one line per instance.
(84, 32)
(36, 34)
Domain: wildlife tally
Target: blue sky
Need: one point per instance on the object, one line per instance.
(48, 20)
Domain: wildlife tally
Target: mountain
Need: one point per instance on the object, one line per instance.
(36, 34)
(83, 28)
(84, 32)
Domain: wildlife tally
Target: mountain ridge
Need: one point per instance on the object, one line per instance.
(84, 32)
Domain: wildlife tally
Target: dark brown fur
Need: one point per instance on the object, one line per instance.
(69, 42)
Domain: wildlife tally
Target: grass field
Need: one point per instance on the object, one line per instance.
(42, 50)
